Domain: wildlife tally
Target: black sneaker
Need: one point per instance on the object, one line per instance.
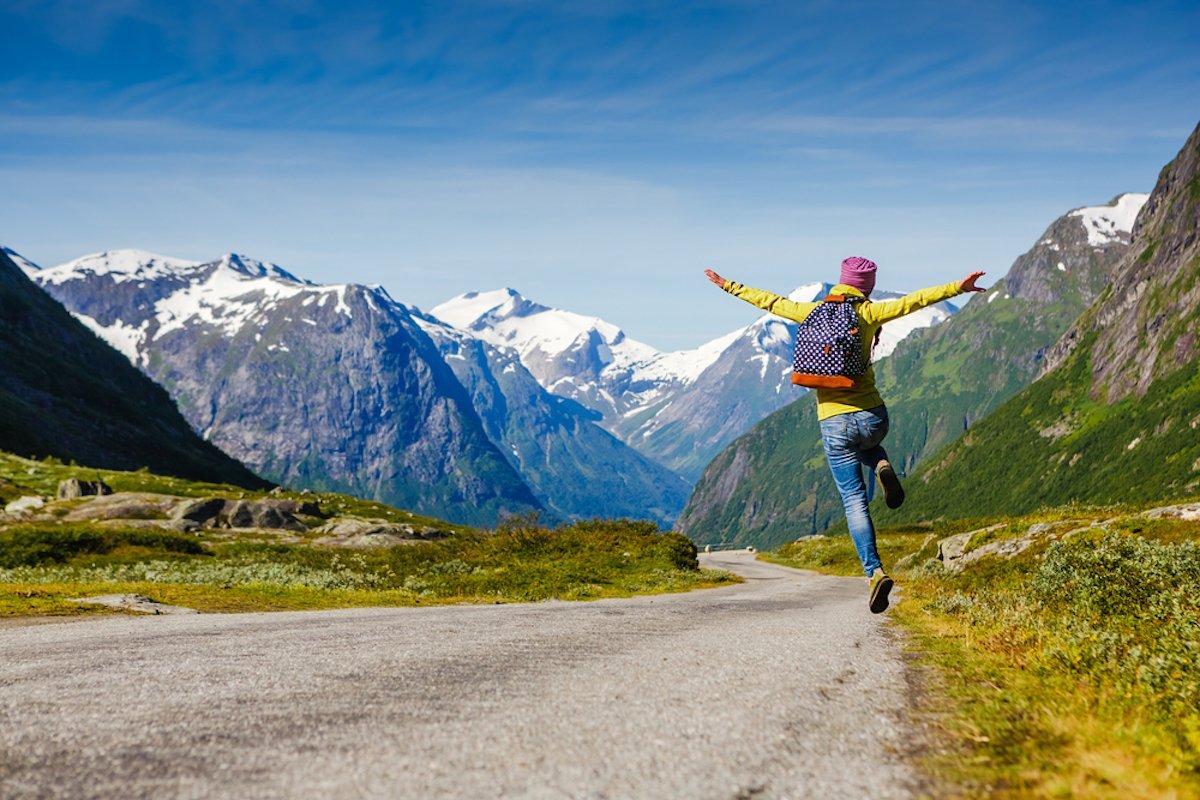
(893, 492)
(880, 586)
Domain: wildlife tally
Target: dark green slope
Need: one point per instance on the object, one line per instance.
(772, 485)
(1117, 417)
(67, 394)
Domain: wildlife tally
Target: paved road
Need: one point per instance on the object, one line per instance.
(781, 687)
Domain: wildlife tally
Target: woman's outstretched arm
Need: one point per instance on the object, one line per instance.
(772, 303)
(887, 310)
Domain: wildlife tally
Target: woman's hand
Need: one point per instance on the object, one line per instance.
(967, 284)
(715, 278)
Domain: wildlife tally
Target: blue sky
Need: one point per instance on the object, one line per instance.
(596, 156)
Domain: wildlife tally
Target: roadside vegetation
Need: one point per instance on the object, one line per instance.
(1070, 669)
(46, 564)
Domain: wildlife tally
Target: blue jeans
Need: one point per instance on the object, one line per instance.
(851, 442)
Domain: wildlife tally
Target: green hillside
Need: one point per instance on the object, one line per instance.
(773, 485)
(1117, 418)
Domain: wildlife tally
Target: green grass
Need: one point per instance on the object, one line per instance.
(42, 566)
(1053, 444)
(23, 476)
(1072, 670)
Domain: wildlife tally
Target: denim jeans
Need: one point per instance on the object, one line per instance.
(851, 442)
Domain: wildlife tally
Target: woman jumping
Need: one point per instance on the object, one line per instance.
(854, 420)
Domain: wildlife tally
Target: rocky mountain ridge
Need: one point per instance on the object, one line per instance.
(575, 467)
(329, 387)
(66, 394)
(1115, 415)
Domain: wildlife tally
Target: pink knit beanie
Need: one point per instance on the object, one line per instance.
(859, 273)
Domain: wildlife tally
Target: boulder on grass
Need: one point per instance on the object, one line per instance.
(74, 488)
(124, 505)
(372, 533)
(203, 511)
(270, 514)
(24, 505)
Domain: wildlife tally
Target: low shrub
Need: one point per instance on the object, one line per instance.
(31, 545)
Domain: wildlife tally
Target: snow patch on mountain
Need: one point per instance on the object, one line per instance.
(228, 294)
(126, 339)
(504, 317)
(1105, 224)
(894, 332)
(120, 265)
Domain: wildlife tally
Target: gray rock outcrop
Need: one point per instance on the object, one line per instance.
(73, 488)
(24, 505)
(372, 533)
(134, 602)
(123, 505)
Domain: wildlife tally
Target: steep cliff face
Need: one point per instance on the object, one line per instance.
(1144, 327)
(574, 467)
(331, 387)
(67, 394)
(937, 383)
(1116, 415)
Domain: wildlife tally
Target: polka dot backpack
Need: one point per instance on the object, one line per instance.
(829, 346)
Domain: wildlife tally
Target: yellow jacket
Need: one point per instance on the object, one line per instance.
(872, 316)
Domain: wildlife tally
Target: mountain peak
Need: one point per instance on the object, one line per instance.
(254, 268)
(121, 265)
(27, 266)
(1106, 224)
(470, 309)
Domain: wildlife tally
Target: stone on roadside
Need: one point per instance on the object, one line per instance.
(1186, 511)
(955, 557)
(950, 550)
(134, 602)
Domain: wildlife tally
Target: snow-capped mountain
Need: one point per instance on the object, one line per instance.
(570, 354)
(233, 338)
(574, 466)
(331, 387)
(66, 394)
(678, 408)
(1112, 223)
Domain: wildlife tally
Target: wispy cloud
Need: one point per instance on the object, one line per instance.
(554, 141)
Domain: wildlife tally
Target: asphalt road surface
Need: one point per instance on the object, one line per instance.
(784, 686)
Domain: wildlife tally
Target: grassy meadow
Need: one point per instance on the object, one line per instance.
(1069, 670)
(45, 564)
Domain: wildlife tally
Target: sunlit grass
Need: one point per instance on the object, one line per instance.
(44, 566)
(1071, 670)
